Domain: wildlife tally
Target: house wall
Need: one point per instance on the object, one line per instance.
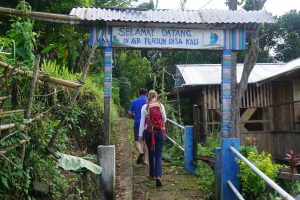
(283, 141)
(279, 114)
(282, 108)
(286, 114)
(296, 92)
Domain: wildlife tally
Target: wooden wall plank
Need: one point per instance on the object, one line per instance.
(255, 96)
(209, 97)
(247, 100)
(218, 97)
(258, 96)
(251, 102)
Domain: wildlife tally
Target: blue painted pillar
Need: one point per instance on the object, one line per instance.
(229, 168)
(189, 150)
(102, 35)
(226, 94)
(107, 93)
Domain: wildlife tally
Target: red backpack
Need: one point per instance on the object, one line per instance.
(154, 120)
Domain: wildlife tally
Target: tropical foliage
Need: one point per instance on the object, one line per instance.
(253, 186)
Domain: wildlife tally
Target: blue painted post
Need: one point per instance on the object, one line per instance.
(107, 93)
(188, 149)
(229, 168)
(217, 172)
(226, 94)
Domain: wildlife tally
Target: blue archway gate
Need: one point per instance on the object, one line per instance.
(221, 30)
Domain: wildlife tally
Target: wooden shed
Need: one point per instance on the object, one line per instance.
(270, 110)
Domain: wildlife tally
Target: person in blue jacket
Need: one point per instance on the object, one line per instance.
(135, 111)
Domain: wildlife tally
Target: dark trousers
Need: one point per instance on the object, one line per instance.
(155, 155)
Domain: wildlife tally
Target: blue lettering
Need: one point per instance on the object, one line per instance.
(121, 32)
(191, 41)
(176, 33)
(175, 41)
(135, 41)
(146, 32)
(128, 32)
(155, 41)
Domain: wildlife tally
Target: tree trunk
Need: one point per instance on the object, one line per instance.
(249, 62)
(232, 4)
(235, 110)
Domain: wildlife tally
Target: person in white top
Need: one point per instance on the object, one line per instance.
(152, 129)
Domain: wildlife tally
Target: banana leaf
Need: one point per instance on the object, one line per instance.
(68, 162)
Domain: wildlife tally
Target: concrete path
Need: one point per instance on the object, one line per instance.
(124, 167)
(132, 181)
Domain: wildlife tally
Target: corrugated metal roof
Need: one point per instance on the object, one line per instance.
(210, 74)
(173, 16)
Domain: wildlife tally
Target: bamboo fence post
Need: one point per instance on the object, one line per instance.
(30, 100)
(32, 87)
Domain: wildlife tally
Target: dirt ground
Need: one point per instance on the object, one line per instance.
(132, 181)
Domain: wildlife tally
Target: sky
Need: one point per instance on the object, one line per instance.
(276, 7)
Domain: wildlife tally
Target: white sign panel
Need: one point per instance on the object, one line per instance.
(167, 38)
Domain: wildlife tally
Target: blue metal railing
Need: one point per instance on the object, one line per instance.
(188, 146)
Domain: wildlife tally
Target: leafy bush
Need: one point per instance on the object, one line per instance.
(24, 39)
(253, 187)
(81, 134)
(207, 149)
(205, 179)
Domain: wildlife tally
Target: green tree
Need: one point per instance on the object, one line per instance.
(130, 65)
(59, 41)
(287, 36)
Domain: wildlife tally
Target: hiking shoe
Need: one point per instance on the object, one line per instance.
(140, 159)
(158, 182)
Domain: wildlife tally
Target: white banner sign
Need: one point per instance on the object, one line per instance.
(167, 38)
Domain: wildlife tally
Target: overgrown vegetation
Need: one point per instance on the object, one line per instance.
(29, 171)
(254, 187)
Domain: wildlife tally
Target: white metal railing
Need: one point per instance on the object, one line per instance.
(175, 123)
(235, 191)
(175, 143)
(269, 181)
